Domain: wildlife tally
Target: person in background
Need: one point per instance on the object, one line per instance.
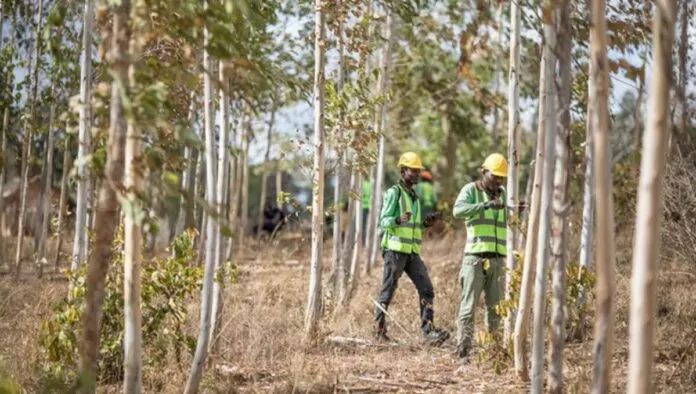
(482, 206)
(366, 201)
(426, 192)
(401, 221)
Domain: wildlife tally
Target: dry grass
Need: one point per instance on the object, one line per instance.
(260, 342)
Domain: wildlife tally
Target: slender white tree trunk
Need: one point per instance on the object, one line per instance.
(108, 206)
(218, 300)
(40, 242)
(343, 272)
(80, 246)
(340, 160)
(354, 273)
(63, 199)
(604, 323)
(646, 246)
(187, 179)
(588, 202)
(530, 251)
(265, 174)
(560, 200)
(314, 299)
(513, 158)
(133, 234)
(380, 121)
(549, 62)
(28, 134)
(196, 373)
(244, 185)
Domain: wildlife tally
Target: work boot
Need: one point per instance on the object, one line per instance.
(463, 354)
(435, 337)
(381, 335)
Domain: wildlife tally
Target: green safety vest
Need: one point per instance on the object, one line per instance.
(405, 237)
(487, 231)
(425, 193)
(366, 195)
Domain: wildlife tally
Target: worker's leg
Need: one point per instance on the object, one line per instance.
(492, 289)
(418, 272)
(394, 264)
(471, 281)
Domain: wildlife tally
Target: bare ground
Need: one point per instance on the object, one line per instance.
(262, 327)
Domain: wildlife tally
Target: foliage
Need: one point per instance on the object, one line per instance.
(577, 281)
(168, 285)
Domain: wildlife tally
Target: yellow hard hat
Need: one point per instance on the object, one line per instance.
(496, 164)
(410, 160)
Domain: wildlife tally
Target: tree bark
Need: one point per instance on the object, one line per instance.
(530, 251)
(646, 244)
(67, 160)
(340, 167)
(549, 62)
(28, 134)
(380, 122)
(265, 173)
(513, 159)
(604, 323)
(40, 242)
(560, 206)
(314, 300)
(133, 235)
(108, 205)
(80, 243)
(218, 300)
(196, 372)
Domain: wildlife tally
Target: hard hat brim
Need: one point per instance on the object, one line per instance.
(412, 167)
(499, 173)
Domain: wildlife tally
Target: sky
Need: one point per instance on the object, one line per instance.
(293, 118)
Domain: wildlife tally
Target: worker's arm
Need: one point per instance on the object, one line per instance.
(390, 209)
(465, 206)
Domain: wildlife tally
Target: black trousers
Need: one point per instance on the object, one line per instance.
(395, 264)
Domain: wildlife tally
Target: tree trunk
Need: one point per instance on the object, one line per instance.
(314, 300)
(354, 273)
(560, 206)
(265, 174)
(196, 373)
(604, 323)
(542, 256)
(586, 232)
(342, 278)
(108, 205)
(218, 300)
(683, 70)
(380, 121)
(279, 183)
(496, 72)
(244, 185)
(40, 242)
(67, 160)
(530, 251)
(338, 175)
(187, 200)
(646, 246)
(80, 243)
(28, 134)
(513, 159)
(133, 234)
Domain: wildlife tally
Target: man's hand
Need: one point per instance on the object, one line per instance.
(432, 218)
(496, 204)
(405, 217)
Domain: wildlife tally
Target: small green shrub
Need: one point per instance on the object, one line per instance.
(167, 286)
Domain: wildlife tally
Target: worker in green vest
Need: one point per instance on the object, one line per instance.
(401, 221)
(426, 192)
(482, 206)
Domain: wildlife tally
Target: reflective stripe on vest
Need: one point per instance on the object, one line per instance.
(405, 237)
(487, 232)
